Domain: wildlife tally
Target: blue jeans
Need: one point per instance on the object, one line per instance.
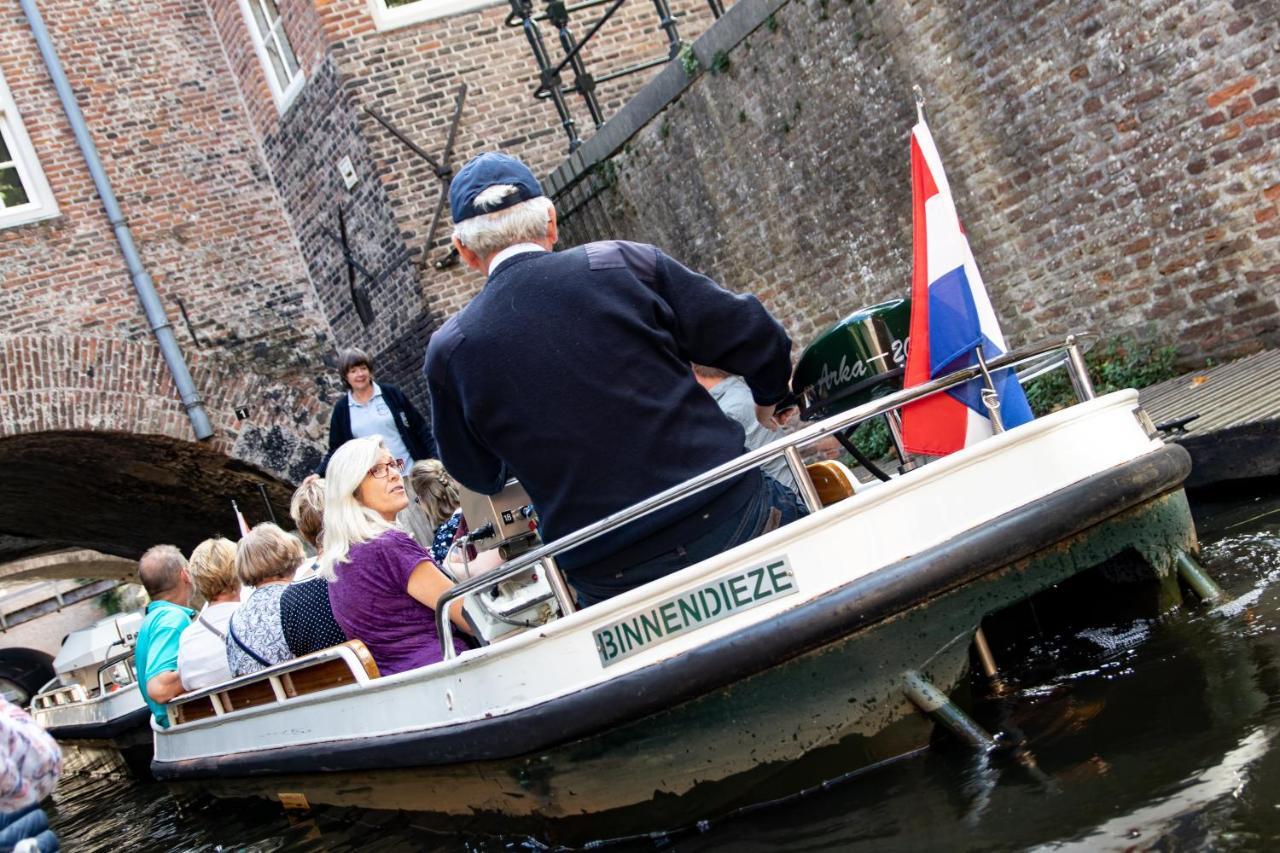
(773, 506)
(27, 823)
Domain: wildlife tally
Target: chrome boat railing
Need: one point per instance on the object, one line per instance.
(1037, 358)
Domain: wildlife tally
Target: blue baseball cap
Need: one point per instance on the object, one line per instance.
(486, 170)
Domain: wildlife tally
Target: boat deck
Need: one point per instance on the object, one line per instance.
(1237, 433)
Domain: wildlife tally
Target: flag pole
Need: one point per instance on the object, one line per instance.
(271, 513)
(243, 525)
(990, 396)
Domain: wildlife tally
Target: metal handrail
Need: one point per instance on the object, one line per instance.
(110, 662)
(739, 465)
(76, 692)
(342, 652)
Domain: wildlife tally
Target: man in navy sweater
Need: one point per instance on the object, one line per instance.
(570, 371)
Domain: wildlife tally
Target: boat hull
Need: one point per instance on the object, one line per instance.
(102, 731)
(718, 724)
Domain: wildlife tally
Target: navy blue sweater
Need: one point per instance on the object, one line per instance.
(570, 371)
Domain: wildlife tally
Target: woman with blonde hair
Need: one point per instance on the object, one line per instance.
(202, 647)
(306, 508)
(383, 585)
(438, 497)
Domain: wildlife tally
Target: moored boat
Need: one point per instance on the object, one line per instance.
(845, 630)
(94, 706)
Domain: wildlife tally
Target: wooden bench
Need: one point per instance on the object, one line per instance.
(349, 663)
(833, 481)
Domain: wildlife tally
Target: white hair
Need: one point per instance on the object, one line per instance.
(348, 522)
(490, 233)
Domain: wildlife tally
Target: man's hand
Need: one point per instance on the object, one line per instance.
(773, 420)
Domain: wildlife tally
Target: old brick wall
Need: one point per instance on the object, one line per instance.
(410, 74)
(184, 164)
(1114, 164)
(76, 354)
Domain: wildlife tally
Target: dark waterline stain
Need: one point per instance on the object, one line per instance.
(1145, 733)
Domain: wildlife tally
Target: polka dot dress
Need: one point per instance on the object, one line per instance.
(444, 537)
(307, 617)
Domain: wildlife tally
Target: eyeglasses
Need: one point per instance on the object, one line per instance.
(382, 469)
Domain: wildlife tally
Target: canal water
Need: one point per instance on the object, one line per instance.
(1141, 733)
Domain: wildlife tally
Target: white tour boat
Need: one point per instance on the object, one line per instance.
(844, 630)
(93, 702)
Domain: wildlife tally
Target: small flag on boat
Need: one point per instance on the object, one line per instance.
(951, 316)
(244, 525)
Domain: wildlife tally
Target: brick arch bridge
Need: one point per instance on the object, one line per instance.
(97, 452)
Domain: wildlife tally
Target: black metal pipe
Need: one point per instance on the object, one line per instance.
(668, 24)
(548, 79)
(513, 21)
(843, 438)
(582, 81)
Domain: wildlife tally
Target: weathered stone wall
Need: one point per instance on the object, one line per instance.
(1114, 164)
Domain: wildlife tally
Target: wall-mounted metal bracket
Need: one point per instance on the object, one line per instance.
(359, 295)
(442, 168)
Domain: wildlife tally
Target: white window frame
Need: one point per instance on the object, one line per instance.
(416, 12)
(283, 95)
(40, 202)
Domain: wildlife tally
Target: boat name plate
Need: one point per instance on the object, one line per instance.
(706, 603)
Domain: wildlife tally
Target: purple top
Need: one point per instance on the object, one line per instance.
(371, 603)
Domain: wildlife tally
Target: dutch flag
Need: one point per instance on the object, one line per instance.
(951, 316)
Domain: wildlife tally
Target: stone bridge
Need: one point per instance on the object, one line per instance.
(96, 451)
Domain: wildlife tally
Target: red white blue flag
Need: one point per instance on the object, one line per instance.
(244, 525)
(951, 316)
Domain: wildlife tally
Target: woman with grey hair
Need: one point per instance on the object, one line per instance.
(384, 586)
(266, 559)
(370, 408)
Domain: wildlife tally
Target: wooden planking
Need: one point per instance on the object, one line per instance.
(1241, 392)
(196, 709)
(311, 678)
(248, 695)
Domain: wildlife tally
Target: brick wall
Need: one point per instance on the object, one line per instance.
(77, 358)
(172, 132)
(411, 74)
(1114, 164)
(229, 197)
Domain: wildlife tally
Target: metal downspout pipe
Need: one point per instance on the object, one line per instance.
(142, 283)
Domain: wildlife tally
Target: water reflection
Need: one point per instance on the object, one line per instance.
(1138, 733)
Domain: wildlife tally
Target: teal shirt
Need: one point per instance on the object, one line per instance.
(157, 648)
